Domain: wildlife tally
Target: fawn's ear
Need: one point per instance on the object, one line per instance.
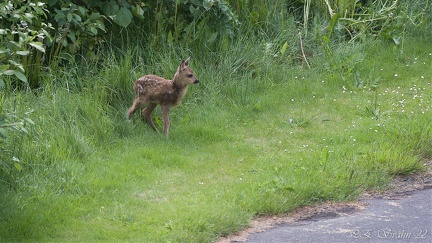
(184, 64)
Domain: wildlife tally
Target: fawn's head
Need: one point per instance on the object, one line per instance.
(185, 75)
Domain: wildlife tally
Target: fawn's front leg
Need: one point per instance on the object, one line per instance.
(165, 114)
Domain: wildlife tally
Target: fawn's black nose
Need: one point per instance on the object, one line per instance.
(196, 81)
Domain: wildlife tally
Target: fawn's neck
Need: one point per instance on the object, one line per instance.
(177, 84)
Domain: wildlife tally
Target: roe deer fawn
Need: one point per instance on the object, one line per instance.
(152, 90)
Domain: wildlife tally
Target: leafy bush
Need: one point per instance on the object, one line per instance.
(80, 27)
(77, 28)
(21, 36)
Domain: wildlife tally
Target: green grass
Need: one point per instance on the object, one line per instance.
(255, 137)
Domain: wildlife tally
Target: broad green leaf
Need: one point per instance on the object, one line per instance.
(20, 76)
(23, 53)
(82, 10)
(191, 9)
(4, 51)
(72, 36)
(100, 25)
(93, 30)
(2, 83)
(207, 4)
(197, 2)
(15, 44)
(69, 17)
(77, 17)
(16, 64)
(123, 3)
(94, 16)
(38, 46)
(28, 16)
(60, 15)
(123, 17)
(8, 72)
(110, 8)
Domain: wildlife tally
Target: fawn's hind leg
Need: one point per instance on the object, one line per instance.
(146, 112)
(137, 103)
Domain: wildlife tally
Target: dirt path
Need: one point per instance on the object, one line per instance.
(401, 186)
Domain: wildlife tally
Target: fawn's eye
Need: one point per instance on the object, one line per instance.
(190, 75)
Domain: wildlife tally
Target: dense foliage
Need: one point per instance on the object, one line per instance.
(37, 35)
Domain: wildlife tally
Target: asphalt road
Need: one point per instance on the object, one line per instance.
(404, 219)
